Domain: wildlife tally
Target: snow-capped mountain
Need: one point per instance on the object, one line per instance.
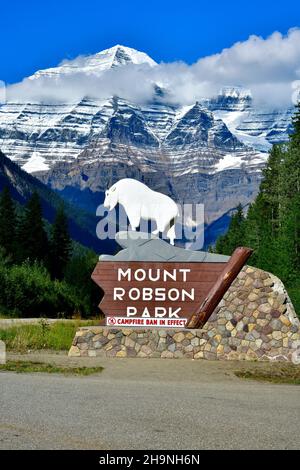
(94, 64)
(231, 99)
(211, 151)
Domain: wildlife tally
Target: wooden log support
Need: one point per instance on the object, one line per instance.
(232, 268)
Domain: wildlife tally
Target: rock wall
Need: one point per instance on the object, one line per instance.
(254, 321)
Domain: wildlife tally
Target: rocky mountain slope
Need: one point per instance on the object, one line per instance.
(210, 152)
(22, 185)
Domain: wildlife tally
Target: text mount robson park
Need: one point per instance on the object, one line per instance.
(167, 294)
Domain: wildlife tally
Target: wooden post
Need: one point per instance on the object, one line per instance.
(232, 268)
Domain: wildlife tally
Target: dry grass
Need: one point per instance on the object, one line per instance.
(31, 367)
(278, 373)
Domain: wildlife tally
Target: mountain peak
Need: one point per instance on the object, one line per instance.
(116, 56)
(231, 98)
(122, 55)
(236, 92)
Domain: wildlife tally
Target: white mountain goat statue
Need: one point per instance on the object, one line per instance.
(141, 202)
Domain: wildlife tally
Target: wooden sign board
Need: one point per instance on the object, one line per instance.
(164, 294)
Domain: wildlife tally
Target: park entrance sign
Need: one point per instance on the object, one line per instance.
(153, 294)
(153, 284)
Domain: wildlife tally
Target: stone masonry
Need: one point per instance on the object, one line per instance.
(254, 321)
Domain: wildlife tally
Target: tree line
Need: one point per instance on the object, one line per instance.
(42, 271)
(271, 225)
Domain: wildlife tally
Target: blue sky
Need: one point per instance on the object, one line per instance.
(37, 34)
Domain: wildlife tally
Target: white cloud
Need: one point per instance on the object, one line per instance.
(267, 66)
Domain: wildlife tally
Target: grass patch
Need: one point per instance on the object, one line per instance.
(56, 336)
(280, 374)
(31, 367)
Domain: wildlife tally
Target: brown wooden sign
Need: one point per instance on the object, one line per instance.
(164, 294)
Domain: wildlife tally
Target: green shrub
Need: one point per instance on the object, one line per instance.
(57, 336)
(28, 291)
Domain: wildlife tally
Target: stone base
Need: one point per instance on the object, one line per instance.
(254, 321)
(194, 344)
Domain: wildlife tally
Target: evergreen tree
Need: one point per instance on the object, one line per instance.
(32, 237)
(290, 206)
(226, 244)
(295, 137)
(270, 190)
(60, 245)
(7, 223)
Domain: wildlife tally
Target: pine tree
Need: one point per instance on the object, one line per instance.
(290, 207)
(60, 245)
(227, 243)
(252, 231)
(32, 237)
(295, 137)
(7, 223)
(238, 227)
(270, 190)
